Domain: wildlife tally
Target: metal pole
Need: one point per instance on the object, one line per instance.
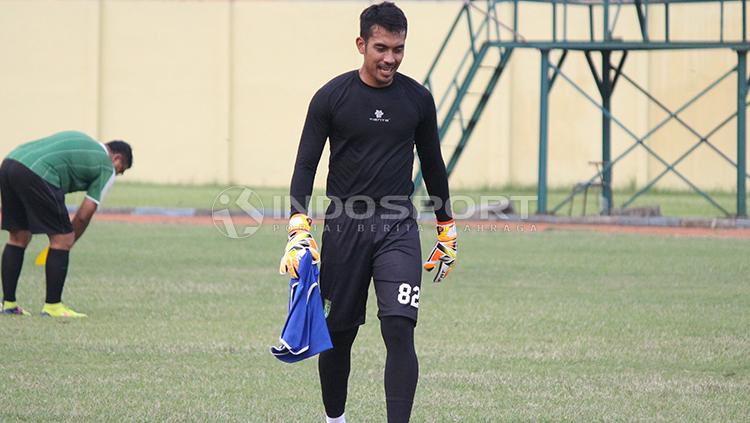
(472, 37)
(565, 20)
(606, 20)
(641, 20)
(606, 132)
(721, 21)
(666, 21)
(554, 21)
(543, 118)
(741, 132)
(515, 20)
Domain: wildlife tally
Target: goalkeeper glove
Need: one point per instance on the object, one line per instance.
(443, 256)
(300, 241)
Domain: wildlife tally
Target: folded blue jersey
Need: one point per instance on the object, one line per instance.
(305, 332)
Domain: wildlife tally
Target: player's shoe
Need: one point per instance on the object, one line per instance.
(10, 307)
(60, 310)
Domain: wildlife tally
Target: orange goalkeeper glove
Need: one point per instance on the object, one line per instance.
(299, 243)
(443, 256)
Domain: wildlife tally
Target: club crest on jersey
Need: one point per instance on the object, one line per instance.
(326, 307)
(379, 116)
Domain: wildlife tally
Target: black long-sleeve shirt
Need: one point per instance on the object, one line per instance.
(372, 132)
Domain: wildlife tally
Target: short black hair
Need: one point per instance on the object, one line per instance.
(385, 14)
(118, 146)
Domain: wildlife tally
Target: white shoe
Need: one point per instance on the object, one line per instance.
(339, 419)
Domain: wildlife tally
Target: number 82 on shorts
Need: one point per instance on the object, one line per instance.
(408, 295)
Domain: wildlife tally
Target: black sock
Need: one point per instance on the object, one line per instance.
(401, 367)
(333, 368)
(56, 271)
(12, 264)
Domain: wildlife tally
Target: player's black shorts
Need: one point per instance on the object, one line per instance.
(355, 249)
(31, 203)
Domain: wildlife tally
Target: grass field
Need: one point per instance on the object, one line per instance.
(671, 203)
(548, 326)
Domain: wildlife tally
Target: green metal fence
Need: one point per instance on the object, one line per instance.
(479, 29)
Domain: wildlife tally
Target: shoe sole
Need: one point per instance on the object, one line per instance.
(13, 313)
(45, 314)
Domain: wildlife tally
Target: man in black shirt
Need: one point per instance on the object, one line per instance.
(373, 117)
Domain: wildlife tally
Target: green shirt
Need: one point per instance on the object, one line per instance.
(71, 161)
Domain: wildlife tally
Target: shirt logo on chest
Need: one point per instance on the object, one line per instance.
(379, 116)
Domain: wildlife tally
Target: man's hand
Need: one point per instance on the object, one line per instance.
(443, 256)
(80, 222)
(83, 216)
(300, 242)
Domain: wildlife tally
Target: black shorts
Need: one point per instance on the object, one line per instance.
(30, 203)
(379, 247)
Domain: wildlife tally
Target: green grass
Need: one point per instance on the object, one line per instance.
(552, 326)
(124, 194)
(671, 203)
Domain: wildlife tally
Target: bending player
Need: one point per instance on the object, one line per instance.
(34, 179)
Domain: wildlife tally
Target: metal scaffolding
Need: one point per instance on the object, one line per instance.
(487, 44)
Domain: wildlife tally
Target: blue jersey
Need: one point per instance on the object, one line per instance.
(305, 332)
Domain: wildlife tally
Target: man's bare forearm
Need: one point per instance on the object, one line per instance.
(83, 216)
(79, 226)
